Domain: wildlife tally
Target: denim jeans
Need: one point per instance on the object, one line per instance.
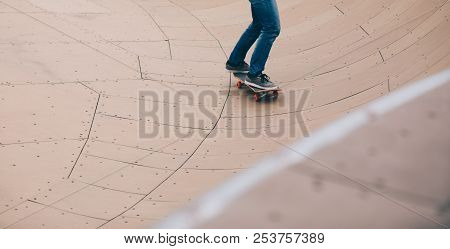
(265, 28)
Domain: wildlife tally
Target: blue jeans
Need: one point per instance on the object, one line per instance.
(265, 28)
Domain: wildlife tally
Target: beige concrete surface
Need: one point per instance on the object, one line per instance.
(392, 171)
(73, 72)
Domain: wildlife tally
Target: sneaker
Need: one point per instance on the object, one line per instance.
(260, 82)
(243, 68)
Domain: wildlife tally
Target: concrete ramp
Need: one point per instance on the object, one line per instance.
(383, 166)
(116, 113)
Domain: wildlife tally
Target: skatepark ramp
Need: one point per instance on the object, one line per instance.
(116, 113)
(380, 167)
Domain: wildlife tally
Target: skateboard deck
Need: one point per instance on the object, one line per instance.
(258, 94)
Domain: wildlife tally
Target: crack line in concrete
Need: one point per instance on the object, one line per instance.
(184, 163)
(89, 134)
(71, 37)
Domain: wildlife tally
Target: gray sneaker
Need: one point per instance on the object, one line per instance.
(261, 82)
(243, 68)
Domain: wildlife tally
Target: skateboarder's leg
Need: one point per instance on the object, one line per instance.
(246, 41)
(266, 12)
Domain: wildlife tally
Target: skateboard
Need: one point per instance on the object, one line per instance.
(258, 94)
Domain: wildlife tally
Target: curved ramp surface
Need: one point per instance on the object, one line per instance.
(114, 113)
(375, 168)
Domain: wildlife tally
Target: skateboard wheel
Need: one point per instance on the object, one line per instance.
(239, 84)
(257, 97)
(275, 94)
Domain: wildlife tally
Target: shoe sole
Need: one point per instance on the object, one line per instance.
(261, 88)
(238, 71)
